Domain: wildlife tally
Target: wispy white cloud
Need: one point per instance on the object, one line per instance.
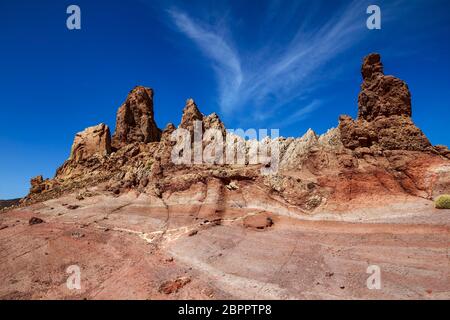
(299, 115)
(280, 76)
(226, 62)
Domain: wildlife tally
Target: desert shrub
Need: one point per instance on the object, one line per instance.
(443, 202)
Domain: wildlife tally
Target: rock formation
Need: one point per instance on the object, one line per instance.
(135, 119)
(384, 113)
(92, 141)
(37, 184)
(190, 114)
(355, 194)
(213, 121)
(381, 95)
(381, 153)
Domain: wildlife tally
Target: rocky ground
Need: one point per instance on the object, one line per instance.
(131, 246)
(140, 226)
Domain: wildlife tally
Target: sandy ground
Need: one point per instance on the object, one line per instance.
(126, 247)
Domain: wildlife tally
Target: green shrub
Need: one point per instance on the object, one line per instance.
(443, 202)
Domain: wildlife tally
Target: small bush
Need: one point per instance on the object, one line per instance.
(443, 202)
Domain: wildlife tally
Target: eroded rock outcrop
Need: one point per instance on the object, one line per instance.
(213, 121)
(210, 131)
(37, 184)
(190, 115)
(135, 119)
(381, 95)
(91, 141)
(384, 113)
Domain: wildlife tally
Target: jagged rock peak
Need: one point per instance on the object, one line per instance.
(135, 119)
(381, 95)
(190, 114)
(371, 66)
(91, 141)
(310, 135)
(213, 121)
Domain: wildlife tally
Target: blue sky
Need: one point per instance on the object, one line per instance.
(284, 64)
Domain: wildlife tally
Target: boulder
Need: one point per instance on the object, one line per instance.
(173, 286)
(35, 220)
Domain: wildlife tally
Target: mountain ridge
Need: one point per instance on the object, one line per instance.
(140, 225)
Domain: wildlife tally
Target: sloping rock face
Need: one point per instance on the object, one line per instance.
(384, 113)
(92, 141)
(89, 150)
(135, 119)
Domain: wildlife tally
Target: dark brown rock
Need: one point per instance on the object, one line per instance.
(34, 221)
(390, 133)
(193, 233)
(260, 221)
(135, 119)
(381, 95)
(371, 66)
(173, 286)
(384, 113)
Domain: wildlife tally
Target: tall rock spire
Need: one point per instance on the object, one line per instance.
(381, 95)
(190, 114)
(384, 113)
(135, 119)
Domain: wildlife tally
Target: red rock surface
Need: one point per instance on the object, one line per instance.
(136, 244)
